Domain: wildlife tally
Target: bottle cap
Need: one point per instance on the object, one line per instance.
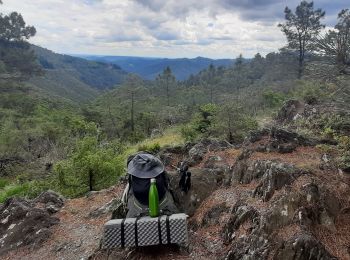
(153, 180)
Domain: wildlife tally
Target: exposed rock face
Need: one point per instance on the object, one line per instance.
(197, 152)
(250, 231)
(277, 140)
(302, 247)
(26, 222)
(271, 175)
(204, 182)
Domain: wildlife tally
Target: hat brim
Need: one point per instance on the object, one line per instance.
(146, 174)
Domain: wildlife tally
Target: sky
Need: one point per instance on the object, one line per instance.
(161, 28)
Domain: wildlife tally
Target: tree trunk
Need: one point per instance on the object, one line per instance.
(90, 180)
(167, 91)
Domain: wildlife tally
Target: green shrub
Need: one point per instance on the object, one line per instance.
(273, 99)
(152, 148)
(344, 161)
(4, 183)
(189, 133)
(91, 166)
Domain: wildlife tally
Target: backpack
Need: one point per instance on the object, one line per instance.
(140, 187)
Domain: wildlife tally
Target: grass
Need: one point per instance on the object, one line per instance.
(29, 189)
(13, 190)
(4, 183)
(170, 137)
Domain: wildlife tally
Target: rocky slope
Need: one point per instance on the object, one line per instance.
(277, 196)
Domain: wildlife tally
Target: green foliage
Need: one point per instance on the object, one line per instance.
(344, 161)
(273, 98)
(203, 119)
(328, 133)
(3, 183)
(335, 44)
(152, 148)
(311, 91)
(301, 28)
(28, 189)
(16, 58)
(189, 133)
(233, 123)
(91, 166)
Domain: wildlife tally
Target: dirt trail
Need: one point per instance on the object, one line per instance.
(77, 235)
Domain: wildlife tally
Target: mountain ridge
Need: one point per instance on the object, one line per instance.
(149, 68)
(74, 78)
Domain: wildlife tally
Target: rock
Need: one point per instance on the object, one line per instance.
(302, 247)
(212, 216)
(166, 158)
(204, 182)
(283, 136)
(281, 213)
(277, 140)
(289, 111)
(197, 152)
(275, 177)
(115, 206)
(24, 224)
(239, 215)
(257, 135)
(52, 208)
(252, 247)
(50, 197)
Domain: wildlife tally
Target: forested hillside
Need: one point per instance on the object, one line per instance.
(74, 78)
(150, 68)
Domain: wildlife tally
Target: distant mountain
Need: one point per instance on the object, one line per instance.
(149, 68)
(74, 78)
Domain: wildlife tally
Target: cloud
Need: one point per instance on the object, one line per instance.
(173, 28)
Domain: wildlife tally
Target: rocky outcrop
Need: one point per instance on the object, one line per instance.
(197, 152)
(271, 175)
(277, 140)
(302, 247)
(204, 182)
(24, 222)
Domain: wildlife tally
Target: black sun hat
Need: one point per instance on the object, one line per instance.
(145, 165)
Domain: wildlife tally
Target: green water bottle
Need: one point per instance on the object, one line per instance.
(153, 199)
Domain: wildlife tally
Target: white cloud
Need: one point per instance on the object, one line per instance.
(172, 28)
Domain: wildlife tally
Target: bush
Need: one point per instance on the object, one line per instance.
(232, 123)
(3, 183)
(152, 148)
(91, 166)
(189, 133)
(273, 99)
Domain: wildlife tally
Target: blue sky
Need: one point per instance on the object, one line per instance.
(161, 28)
